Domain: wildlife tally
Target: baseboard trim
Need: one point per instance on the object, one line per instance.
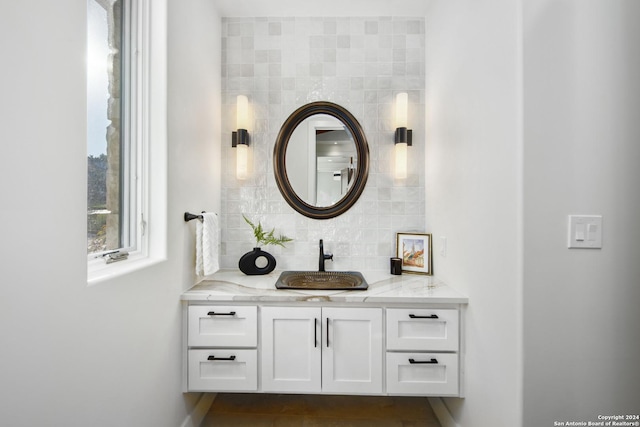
(194, 419)
(442, 413)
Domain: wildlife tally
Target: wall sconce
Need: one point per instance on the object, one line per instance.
(403, 137)
(240, 138)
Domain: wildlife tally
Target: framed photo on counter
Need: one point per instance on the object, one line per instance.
(415, 251)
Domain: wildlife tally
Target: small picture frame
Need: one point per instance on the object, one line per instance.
(415, 251)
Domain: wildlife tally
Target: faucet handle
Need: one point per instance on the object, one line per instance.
(323, 257)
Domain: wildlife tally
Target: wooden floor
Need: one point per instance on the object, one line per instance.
(281, 410)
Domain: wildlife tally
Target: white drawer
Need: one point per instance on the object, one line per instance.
(434, 374)
(223, 326)
(422, 329)
(223, 370)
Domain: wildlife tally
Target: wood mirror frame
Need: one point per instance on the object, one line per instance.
(279, 160)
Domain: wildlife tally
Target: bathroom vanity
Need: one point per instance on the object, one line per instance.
(404, 335)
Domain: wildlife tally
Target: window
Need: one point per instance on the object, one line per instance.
(121, 123)
(111, 194)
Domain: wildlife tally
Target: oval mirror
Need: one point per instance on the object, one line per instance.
(321, 160)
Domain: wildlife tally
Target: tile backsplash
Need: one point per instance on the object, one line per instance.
(281, 64)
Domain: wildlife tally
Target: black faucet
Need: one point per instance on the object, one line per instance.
(323, 257)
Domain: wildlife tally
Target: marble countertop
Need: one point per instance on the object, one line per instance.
(232, 285)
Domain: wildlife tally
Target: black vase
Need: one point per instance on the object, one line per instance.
(248, 265)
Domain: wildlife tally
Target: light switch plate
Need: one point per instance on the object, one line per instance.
(585, 231)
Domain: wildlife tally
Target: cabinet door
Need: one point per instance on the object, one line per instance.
(291, 349)
(352, 350)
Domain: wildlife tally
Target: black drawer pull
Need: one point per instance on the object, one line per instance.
(221, 358)
(414, 362)
(213, 313)
(327, 332)
(315, 332)
(433, 316)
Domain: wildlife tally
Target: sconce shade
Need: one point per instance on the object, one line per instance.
(401, 160)
(242, 161)
(401, 110)
(403, 136)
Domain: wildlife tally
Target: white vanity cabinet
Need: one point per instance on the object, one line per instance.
(403, 336)
(322, 350)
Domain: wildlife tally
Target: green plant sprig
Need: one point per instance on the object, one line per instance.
(266, 237)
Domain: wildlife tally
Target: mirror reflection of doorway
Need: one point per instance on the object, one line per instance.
(334, 165)
(326, 175)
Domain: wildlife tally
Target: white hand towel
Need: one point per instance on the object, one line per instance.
(207, 244)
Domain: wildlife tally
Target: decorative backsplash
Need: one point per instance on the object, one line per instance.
(281, 64)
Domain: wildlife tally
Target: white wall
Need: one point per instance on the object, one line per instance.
(194, 117)
(109, 354)
(582, 150)
(473, 187)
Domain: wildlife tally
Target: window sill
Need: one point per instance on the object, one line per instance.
(99, 272)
